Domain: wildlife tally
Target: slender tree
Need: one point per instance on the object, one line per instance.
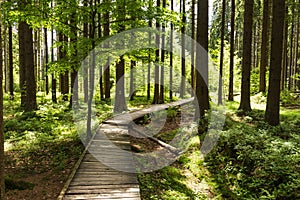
(120, 103)
(10, 64)
(106, 28)
(193, 48)
(246, 64)
(220, 91)
(202, 59)
(162, 69)
(273, 99)
(156, 75)
(231, 70)
(171, 55)
(2, 185)
(264, 47)
(182, 85)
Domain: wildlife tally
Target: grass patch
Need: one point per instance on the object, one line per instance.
(187, 178)
(256, 161)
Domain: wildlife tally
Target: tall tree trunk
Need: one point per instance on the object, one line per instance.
(220, 91)
(2, 185)
(85, 72)
(100, 67)
(264, 47)
(156, 75)
(107, 67)
(132, 80)
(27, 64)
(285, 57)
(162, 69)
(272, 110)
(10, 65)
(64, 77)
(193, 49)
(171, 55)
(22, 70)
(74, 72)
(46, 59)
(149, 60)
(182, 85)
(297, 67)
(202, 59)
(231, 67)
(120, 103)
(290, 74)
(53, 79)
(92, 65)
(246, 64)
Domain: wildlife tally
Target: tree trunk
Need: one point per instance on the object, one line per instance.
(272, 110)
(193, 49)
(284, 58)
(157, 41)
(132, 80)
(10, 65)
(171, 55)
(46, 59)
(231, 67)
(162, 69)
(100, 67)
(22, 70)
(246, 64)
(53, 79)
(182, 85)
(149, 61)
(264, 47)
(220, 91)
(2, 185)
(27, 64)
(107, 85)
(290, 74)
(120, 103)
(74, 63)
(202, 60)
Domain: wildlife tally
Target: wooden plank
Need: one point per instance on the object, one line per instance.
(79, 190)
(68, 197)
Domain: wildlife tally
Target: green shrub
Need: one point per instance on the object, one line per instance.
(252, 163)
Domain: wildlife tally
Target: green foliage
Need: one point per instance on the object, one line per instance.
(185, 179)
(257, 161)
(288, 98)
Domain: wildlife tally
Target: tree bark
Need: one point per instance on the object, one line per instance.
(10, 65)
(53, 79)
(193, 49)
(182, 85)
(107, 67)
(273, 107)
(162, 69)
(2, 185)
(171, 55)
(220, 91)
(157, 41)
(247, 55)
(27, 64)
(202, 60)
(120, 103)
(231, 67)
(264, 47)
(46, 59)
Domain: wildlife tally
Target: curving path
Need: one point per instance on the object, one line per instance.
(91, 179)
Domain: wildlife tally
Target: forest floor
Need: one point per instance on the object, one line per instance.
(251, 160)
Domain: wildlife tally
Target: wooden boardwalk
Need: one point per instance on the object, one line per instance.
(106, 169)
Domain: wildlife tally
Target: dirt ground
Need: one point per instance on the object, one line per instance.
(36, 176)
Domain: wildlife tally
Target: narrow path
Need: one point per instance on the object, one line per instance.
(106, 169)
